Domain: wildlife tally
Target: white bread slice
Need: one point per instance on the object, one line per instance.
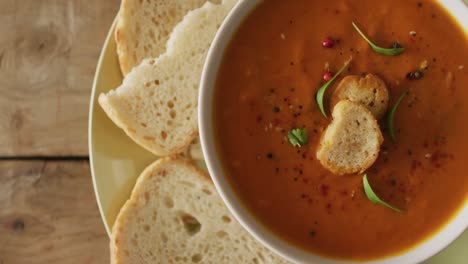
(369, 90)
(143, 28)
(174, 215)
(351, 143)
(157, 103)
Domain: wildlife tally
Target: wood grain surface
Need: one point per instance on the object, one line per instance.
(48, 54)
(49, 214)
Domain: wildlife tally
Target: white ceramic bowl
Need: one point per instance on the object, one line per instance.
(418, 254)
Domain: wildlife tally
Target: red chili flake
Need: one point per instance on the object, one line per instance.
(344, 193)
(276, 122)
(425, 144)
(415, 164)
(435, 157)
(324, 189)
(259, 118)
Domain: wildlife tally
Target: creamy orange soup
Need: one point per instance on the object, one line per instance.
(266, 86)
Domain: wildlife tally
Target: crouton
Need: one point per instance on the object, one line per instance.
(370, 91)
(352, 141)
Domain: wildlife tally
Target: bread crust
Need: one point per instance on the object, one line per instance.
(157, 103)
(136, 40)
(146, 197)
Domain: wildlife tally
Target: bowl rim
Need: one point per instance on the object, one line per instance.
(418, 253)
(91, 149)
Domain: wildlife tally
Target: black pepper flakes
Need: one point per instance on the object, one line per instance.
(415, 75)
(312, 233)
(276, 109)
(396, 45)
(269, 155)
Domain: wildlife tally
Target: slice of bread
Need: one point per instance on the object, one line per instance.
(174, 215)
(369, 90)
(143, 28)
(157, 103)
(351, 143)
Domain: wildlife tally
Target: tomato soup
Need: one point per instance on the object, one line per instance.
(266, 86)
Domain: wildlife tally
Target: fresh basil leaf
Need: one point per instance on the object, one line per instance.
(383, 51)
(321, 92)
(297, 137)
(391, 116)
(373, 197)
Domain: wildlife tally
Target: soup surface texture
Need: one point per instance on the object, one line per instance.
(266, 86)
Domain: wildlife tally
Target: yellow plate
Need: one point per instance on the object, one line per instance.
(116, 161)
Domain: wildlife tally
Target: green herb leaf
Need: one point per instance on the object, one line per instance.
(391, 115)
(373, 197)
(388, 52)
(321, 92)
(297, 137)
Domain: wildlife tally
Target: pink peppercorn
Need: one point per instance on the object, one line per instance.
(327, 76)
(328, 43)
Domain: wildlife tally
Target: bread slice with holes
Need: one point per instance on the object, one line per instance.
(174, 215)
(157, 103)
(369, 90)
(143, 28)
(351, 143)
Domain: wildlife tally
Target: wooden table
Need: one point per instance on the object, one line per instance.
(48, 54)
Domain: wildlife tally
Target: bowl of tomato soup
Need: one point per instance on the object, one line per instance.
(267, 113)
